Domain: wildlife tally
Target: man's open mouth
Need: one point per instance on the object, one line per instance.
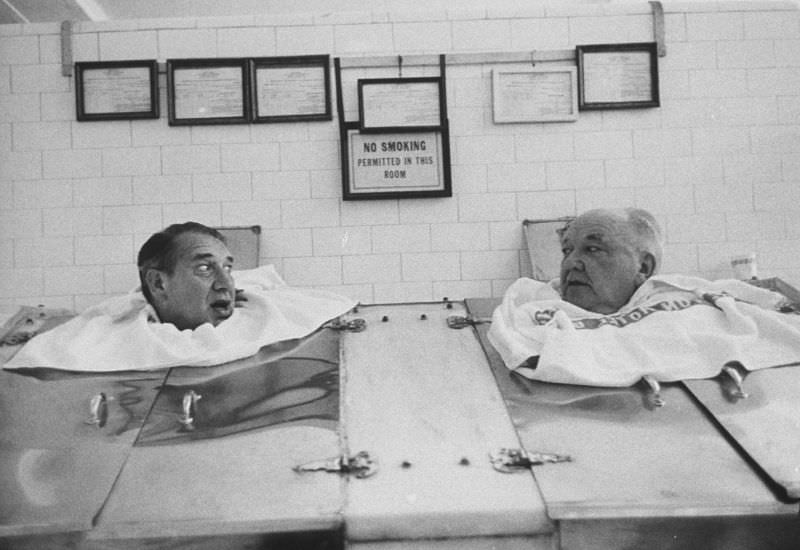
(576, 283)
(223, 308)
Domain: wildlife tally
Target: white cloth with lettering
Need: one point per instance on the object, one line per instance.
(123, 334)
(672, 328)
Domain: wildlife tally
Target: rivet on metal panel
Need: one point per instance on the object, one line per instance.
(514, 460)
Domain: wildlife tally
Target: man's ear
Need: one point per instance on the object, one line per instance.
(647, 266)
(156, 282)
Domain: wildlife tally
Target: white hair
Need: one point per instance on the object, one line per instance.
(648, 237)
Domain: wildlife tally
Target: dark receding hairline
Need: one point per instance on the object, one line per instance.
(160, 250)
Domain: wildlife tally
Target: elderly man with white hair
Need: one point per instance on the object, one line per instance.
(608, 254)
(610, 319)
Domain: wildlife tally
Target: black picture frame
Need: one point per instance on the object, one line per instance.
(116, 90)
(401, 104)
(299, 91)
(208, 91)
(617, 76)
(396, 165)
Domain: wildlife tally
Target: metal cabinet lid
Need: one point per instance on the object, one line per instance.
(63, 441)
(765, 423)
(629, 460)
(419, 396)
(230, 470)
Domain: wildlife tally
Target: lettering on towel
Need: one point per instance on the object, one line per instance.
(619, 320)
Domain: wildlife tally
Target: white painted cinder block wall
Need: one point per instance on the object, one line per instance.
(718, 162)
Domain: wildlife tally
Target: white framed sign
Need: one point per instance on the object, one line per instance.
(396, 165)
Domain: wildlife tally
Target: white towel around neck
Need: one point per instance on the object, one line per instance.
(119, 334)
(673, 328)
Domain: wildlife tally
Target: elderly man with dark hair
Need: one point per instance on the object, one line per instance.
(185, 273)
(608, 254)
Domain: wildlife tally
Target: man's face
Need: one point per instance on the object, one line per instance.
(200, 289)
(600, 269)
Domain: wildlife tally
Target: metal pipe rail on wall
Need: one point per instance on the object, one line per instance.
(532, 57)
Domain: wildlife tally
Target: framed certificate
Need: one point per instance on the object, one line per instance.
(208, 91)
(287, 89)
(400, 104)
(396, 165)
(618, 76)
(535, 95)
(116, 90)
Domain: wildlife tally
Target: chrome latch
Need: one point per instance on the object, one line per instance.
(513, 460)
(361, 465)
(461, 321)
(734, 387)
(654, 399)
(189, 406)
(353, 325)
(98, 410)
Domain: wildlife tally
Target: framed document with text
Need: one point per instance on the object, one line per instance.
(288, 89)
(116, 90)
(400, 104)
(208, 91)
(618, 76)
(535, 95)
(397, 165)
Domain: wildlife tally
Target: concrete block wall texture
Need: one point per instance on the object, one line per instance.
(718, 162)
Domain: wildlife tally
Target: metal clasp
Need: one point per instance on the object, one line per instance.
(461, 321)
(514, 460)
(353, 325)
(189, 406)
(735, 392)
(654, 395)
(98, 410)
(361, 465)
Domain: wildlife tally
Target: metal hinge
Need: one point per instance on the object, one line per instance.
(361, 465)
(461, 321)
(514, 460)
(353, 325)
